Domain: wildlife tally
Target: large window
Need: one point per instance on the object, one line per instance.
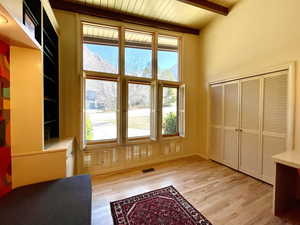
(132, 85)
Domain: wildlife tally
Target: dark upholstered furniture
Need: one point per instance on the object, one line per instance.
(60, 202)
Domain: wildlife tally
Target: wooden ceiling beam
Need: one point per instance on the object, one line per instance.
(119, 16)
(208, 5)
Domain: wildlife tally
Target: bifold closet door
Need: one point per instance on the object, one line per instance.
(274, 135)
(250, 156)
(231, 124)
(216, 122)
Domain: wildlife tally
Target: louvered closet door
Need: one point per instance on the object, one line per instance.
(274, 120)
(250, 150)
(216, 122)
(231, 124)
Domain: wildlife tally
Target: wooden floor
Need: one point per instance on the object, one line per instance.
(224, 196)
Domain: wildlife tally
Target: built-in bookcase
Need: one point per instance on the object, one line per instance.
(37, 21)
(51, 79)
(32, 11)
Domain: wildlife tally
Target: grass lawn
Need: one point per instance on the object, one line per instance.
(139, 122)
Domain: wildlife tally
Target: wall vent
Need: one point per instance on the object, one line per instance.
(148, 170)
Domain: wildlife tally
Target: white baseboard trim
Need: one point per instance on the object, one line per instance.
(103, 171)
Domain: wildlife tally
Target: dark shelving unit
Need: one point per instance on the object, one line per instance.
(32, 9)
(51, 80)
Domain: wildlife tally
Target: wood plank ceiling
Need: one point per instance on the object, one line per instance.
(167, 11)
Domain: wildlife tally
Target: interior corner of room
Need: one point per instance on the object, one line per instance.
(119, 101)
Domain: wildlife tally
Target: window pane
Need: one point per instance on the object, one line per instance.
(167, 58)
(167, 65)
(167, 42)
(138, 39)
(101, 58)
(170, 124)
(101, 110)
(138, 62)
(100, 33)
(138, 54)
(100, 48)
(139, 110)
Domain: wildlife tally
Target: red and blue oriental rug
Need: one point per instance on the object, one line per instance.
(165, 206)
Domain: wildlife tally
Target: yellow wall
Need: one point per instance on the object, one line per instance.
(256, 35)
(70, 81)
(26, 100)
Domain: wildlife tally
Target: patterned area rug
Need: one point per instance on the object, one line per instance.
(164, 206)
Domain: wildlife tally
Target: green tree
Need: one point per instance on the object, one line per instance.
(89, 129)
(170, 123)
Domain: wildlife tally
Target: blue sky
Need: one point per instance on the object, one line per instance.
(110, 54)
(167, 59)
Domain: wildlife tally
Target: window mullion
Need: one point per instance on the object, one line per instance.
(122, 128)
(153, 119)
(180, 58)
(154, 55)
(159, 109)
(122, 51)
(156, 116)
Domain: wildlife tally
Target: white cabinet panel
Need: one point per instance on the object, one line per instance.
(230, 151)
(250, 157)
(231, 106)
(249, 154)
(275, 104)
(271, 146)
(217, 105)
(216, 144)
(249, 123)
(216, 129)
(231, 124)
(250, 98)
(274, 121)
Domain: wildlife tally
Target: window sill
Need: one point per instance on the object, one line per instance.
(98, 146)
(144, 140)
(168, 138)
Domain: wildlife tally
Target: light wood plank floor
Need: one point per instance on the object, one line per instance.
(224, 196)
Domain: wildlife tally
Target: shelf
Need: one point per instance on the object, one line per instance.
(49, 78)
(49, 122)
(54, 144)
(50, 100)
(49, 57)
(49, 39)
(48, 51)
